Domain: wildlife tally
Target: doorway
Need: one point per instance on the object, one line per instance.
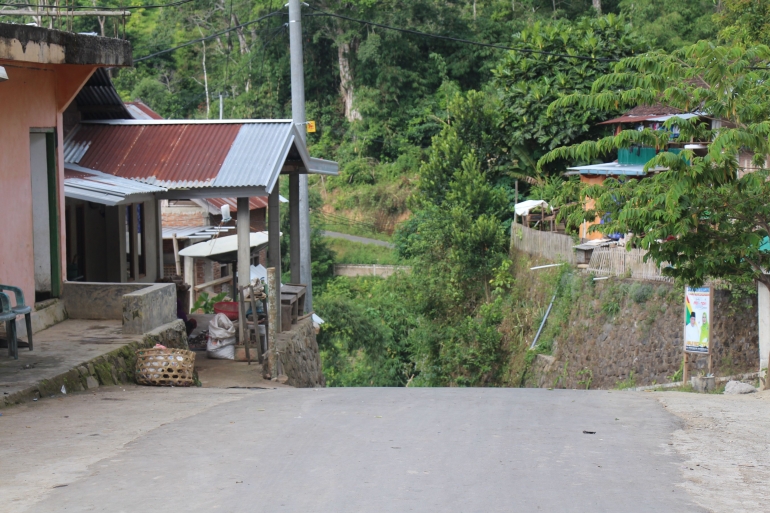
(45, 214)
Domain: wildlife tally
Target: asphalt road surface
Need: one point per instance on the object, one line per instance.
(383, 450)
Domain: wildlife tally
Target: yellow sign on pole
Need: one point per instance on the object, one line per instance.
(311, 127)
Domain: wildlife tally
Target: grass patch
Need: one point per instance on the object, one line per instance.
(352, 229)
(629, 382)
(349, 252)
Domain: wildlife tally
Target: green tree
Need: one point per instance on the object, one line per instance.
(702, 215)
(529, 82)
(670, 25)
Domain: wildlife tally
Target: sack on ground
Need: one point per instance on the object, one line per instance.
(221, 342)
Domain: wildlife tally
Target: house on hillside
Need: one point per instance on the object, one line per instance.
(169, 179)
(45, 70)
(631, 161)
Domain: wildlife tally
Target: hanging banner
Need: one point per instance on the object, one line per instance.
(697, 319)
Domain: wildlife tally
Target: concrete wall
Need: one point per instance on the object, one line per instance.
(32, 97)
(150, 307)
(141, 307)
(763, 308)
(369, 270)
(84, 300)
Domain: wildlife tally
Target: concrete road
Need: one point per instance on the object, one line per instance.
(382, 450)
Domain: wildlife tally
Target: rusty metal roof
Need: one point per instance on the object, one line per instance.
(193, 154)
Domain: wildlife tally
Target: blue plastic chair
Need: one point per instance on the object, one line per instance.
(21, 309)
(8, 316)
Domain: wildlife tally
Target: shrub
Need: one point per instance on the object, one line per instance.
(640, 292)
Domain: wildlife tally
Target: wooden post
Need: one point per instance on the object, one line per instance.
(294, 238)
(244, 321)
(189, 277)
(274, 246)
(273, 308)
(685, 369)
(244, 250)
(256, 326)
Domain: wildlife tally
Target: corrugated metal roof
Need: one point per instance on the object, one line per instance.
(99, 100)
(626, 118)
(89, 185)
(139, 110)
(173, 155)
(612, 169)
(257, 155)
(180, 154)
(194, 232)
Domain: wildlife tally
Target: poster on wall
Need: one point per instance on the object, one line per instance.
(697, 319)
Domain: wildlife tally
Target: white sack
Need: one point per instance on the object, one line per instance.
(221, 341)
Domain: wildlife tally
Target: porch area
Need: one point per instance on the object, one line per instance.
(77, 354)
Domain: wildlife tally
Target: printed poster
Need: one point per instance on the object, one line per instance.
(697, 319)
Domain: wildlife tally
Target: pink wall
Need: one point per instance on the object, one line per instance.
(34, 96)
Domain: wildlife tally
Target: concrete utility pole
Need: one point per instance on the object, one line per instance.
(244, 251)
(298, 116)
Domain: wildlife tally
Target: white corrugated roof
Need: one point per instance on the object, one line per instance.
(97, 187)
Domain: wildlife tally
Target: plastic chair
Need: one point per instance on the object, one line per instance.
(8, 316)
(21, 309)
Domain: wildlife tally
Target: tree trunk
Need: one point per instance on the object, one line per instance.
(598, 6)
(205, 78)
(241, 37)
(346, 80)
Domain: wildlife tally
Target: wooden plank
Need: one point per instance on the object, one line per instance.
(213, 283)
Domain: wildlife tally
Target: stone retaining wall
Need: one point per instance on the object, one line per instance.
(114, 368)
(637, 342)
(296, 356)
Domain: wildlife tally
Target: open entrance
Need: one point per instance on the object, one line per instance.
(45, 218)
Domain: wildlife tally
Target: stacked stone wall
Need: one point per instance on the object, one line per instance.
(614, 332)
(296, 356)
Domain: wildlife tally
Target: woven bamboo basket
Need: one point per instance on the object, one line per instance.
(165, 367)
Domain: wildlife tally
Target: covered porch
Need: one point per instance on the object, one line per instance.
(196, 160)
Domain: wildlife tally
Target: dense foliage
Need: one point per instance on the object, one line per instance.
(702, 214)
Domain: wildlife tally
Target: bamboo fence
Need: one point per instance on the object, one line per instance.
(550, 245)
(617, 261)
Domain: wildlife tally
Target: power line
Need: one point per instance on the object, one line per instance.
(201, 39)
(460, 40)
(87, 7)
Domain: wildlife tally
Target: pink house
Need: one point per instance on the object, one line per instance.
(41, 72)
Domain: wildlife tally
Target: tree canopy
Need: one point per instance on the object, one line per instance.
(702, 215)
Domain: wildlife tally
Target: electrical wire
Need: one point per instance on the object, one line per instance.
(459, 40)
(91, 7)
(201, 39)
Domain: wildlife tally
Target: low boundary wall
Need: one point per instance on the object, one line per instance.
(382, 271)
(141, 306)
